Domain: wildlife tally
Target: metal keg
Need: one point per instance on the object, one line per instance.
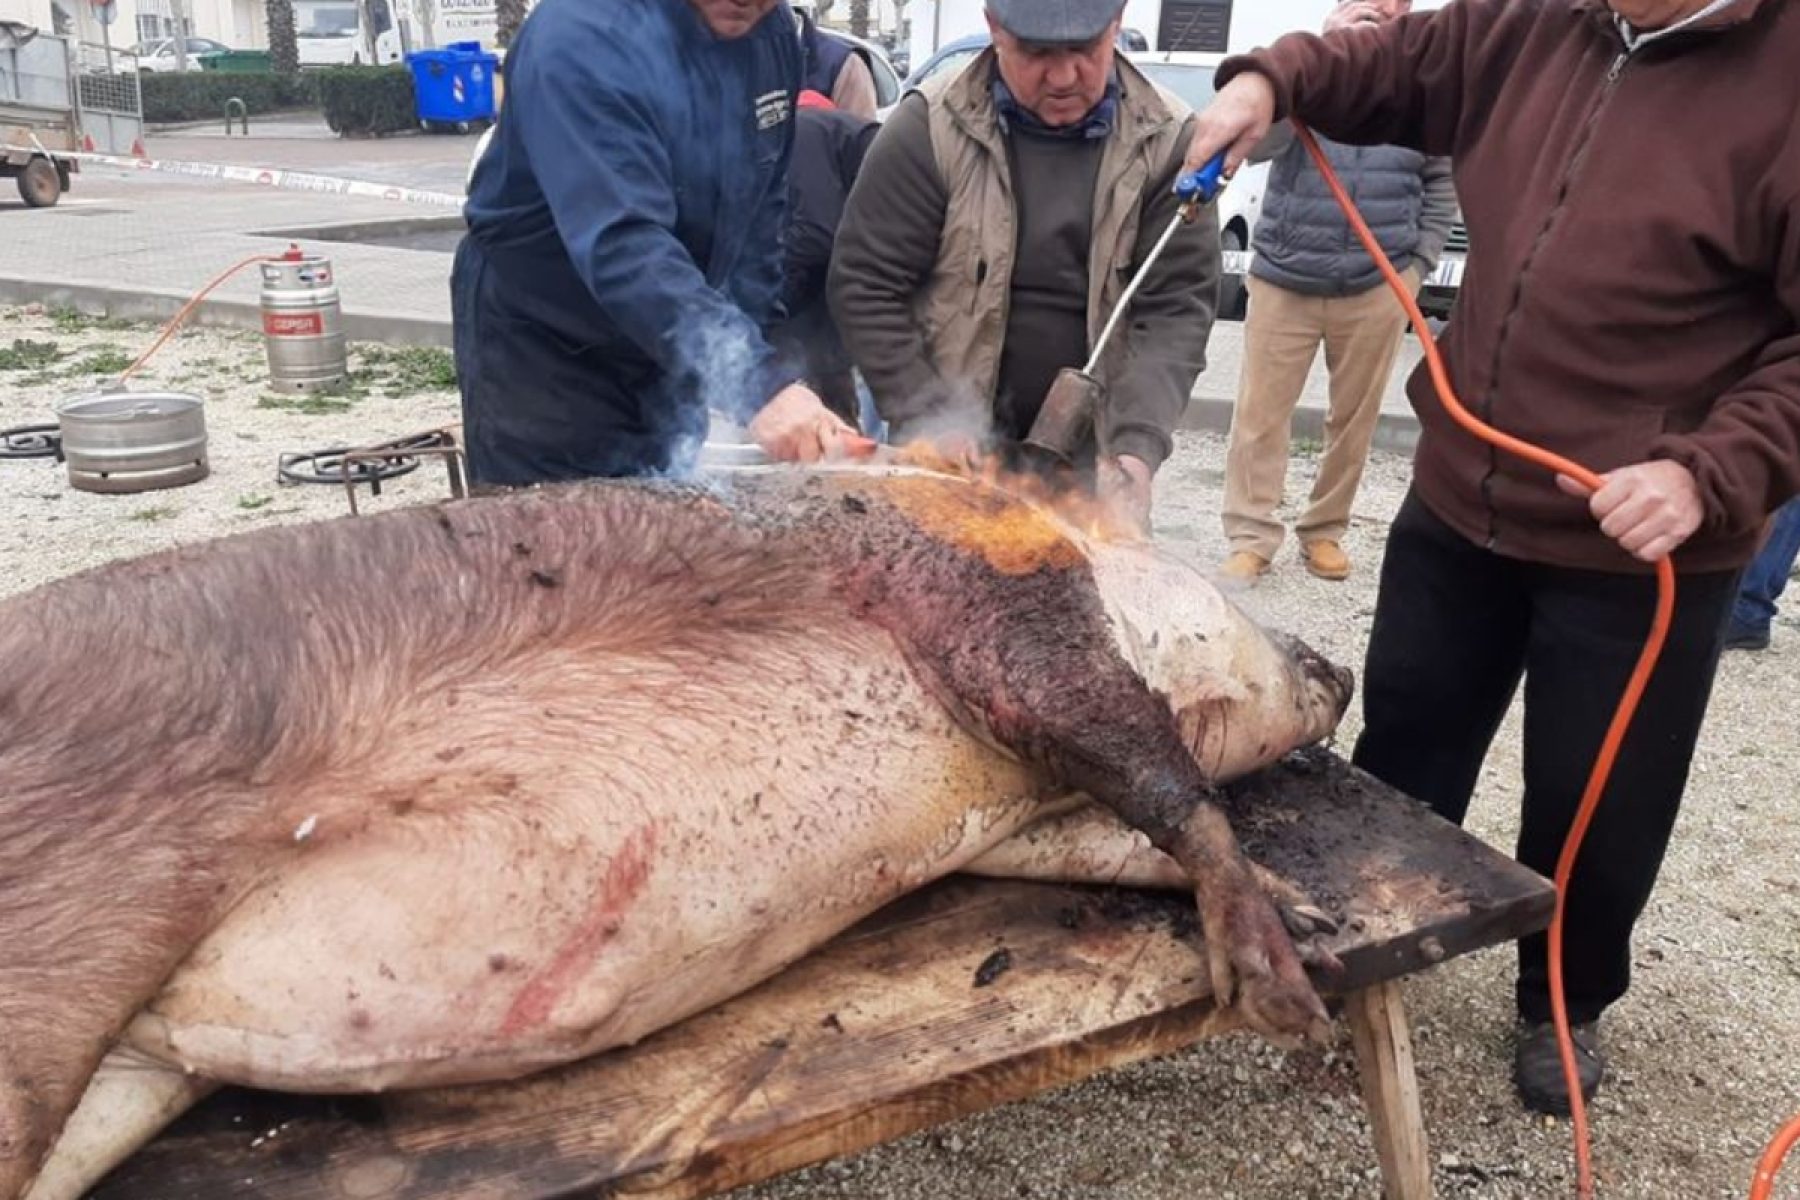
(303, 327)
(133, 441)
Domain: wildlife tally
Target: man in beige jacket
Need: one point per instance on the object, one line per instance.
(994, 226)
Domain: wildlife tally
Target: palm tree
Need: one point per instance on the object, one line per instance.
(284, 50)
(859, 18)
(508, 16)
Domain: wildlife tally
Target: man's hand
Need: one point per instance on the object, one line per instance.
(1235, 121)
(797, 427)
(1350, 13)
(1649, 509)
(1124, 486)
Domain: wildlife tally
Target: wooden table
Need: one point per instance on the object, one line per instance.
(970, 994)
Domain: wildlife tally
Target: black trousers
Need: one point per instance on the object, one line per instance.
(1456, 626)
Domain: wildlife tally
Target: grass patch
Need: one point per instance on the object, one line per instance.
(73, 320)
(26, 355)
(252, 503)
(1306, 448)
(103, 361)
(406, 370)
(153, 514)
(316, 404)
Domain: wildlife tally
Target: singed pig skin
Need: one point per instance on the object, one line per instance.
(455, 794)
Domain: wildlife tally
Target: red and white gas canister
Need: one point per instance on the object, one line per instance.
(303, 327)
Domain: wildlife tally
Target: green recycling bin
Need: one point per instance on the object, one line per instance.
(237, 62)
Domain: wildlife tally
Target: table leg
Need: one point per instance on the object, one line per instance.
(1384, 1058)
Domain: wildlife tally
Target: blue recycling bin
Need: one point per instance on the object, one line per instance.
(453, 86)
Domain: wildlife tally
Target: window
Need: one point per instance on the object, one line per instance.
(333, 19)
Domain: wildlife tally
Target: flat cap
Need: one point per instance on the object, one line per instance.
(1055, 22)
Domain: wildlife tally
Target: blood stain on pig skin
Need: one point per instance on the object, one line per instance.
(625, 877)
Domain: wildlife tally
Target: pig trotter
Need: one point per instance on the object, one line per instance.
(1303, 918)
(1254, 963)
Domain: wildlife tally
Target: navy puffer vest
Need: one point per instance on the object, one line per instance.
(1304, 243)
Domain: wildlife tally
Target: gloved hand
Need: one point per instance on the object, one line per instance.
(796, 426)
(1124, 484)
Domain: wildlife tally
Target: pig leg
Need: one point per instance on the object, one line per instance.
(1003, 619)
(1087, 844)
(130, 1099)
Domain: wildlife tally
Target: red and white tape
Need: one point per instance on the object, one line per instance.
(294, 181)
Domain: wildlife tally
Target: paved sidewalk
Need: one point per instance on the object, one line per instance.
(138, 244)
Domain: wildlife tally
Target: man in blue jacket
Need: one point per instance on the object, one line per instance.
(624, 248)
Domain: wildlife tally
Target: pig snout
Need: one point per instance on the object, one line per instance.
(1328, 686)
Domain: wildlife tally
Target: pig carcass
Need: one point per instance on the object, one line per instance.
(457, 793)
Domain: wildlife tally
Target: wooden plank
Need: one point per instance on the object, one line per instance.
(1384, 1058)
(893, 1027)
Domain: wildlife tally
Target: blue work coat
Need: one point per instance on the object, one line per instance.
(624, 247)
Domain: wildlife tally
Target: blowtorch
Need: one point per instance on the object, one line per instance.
(1064, 422)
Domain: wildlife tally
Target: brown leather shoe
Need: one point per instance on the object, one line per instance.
(1243, 568)
(1326, 559)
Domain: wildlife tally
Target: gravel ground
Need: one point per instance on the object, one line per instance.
(1704, 1049)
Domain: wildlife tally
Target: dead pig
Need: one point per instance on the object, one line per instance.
(455, 794)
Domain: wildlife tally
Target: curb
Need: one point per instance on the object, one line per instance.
(137, 304)
(1395, 433)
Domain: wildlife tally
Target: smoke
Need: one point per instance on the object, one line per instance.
(952, 412)
(729, 372)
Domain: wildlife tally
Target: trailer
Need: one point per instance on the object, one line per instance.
(51, 112)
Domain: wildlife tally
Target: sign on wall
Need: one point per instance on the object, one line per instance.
(1195, 25)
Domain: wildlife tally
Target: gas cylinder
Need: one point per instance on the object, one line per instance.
(303, 326)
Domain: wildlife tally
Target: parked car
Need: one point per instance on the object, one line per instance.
(1440, 290)
(887, 80)
(159, 55)
(950, 57)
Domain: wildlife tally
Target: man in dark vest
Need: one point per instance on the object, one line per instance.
(834, 68)
(1311, 283)
(829, 147)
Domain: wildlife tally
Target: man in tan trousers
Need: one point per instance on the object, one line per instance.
(1310, 283)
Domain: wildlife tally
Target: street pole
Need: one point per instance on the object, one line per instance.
(106, 42)
(181, 62)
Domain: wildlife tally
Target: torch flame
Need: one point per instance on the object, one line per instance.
(1020, 521)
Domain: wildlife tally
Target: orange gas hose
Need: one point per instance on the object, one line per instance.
(1762, 1186)
(1634, 689)
(182, 314)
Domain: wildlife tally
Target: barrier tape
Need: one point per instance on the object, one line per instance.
(294, 181)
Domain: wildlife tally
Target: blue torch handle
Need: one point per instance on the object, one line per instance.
(1205, 183)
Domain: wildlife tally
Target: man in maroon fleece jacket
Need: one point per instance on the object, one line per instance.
(1630, 175)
